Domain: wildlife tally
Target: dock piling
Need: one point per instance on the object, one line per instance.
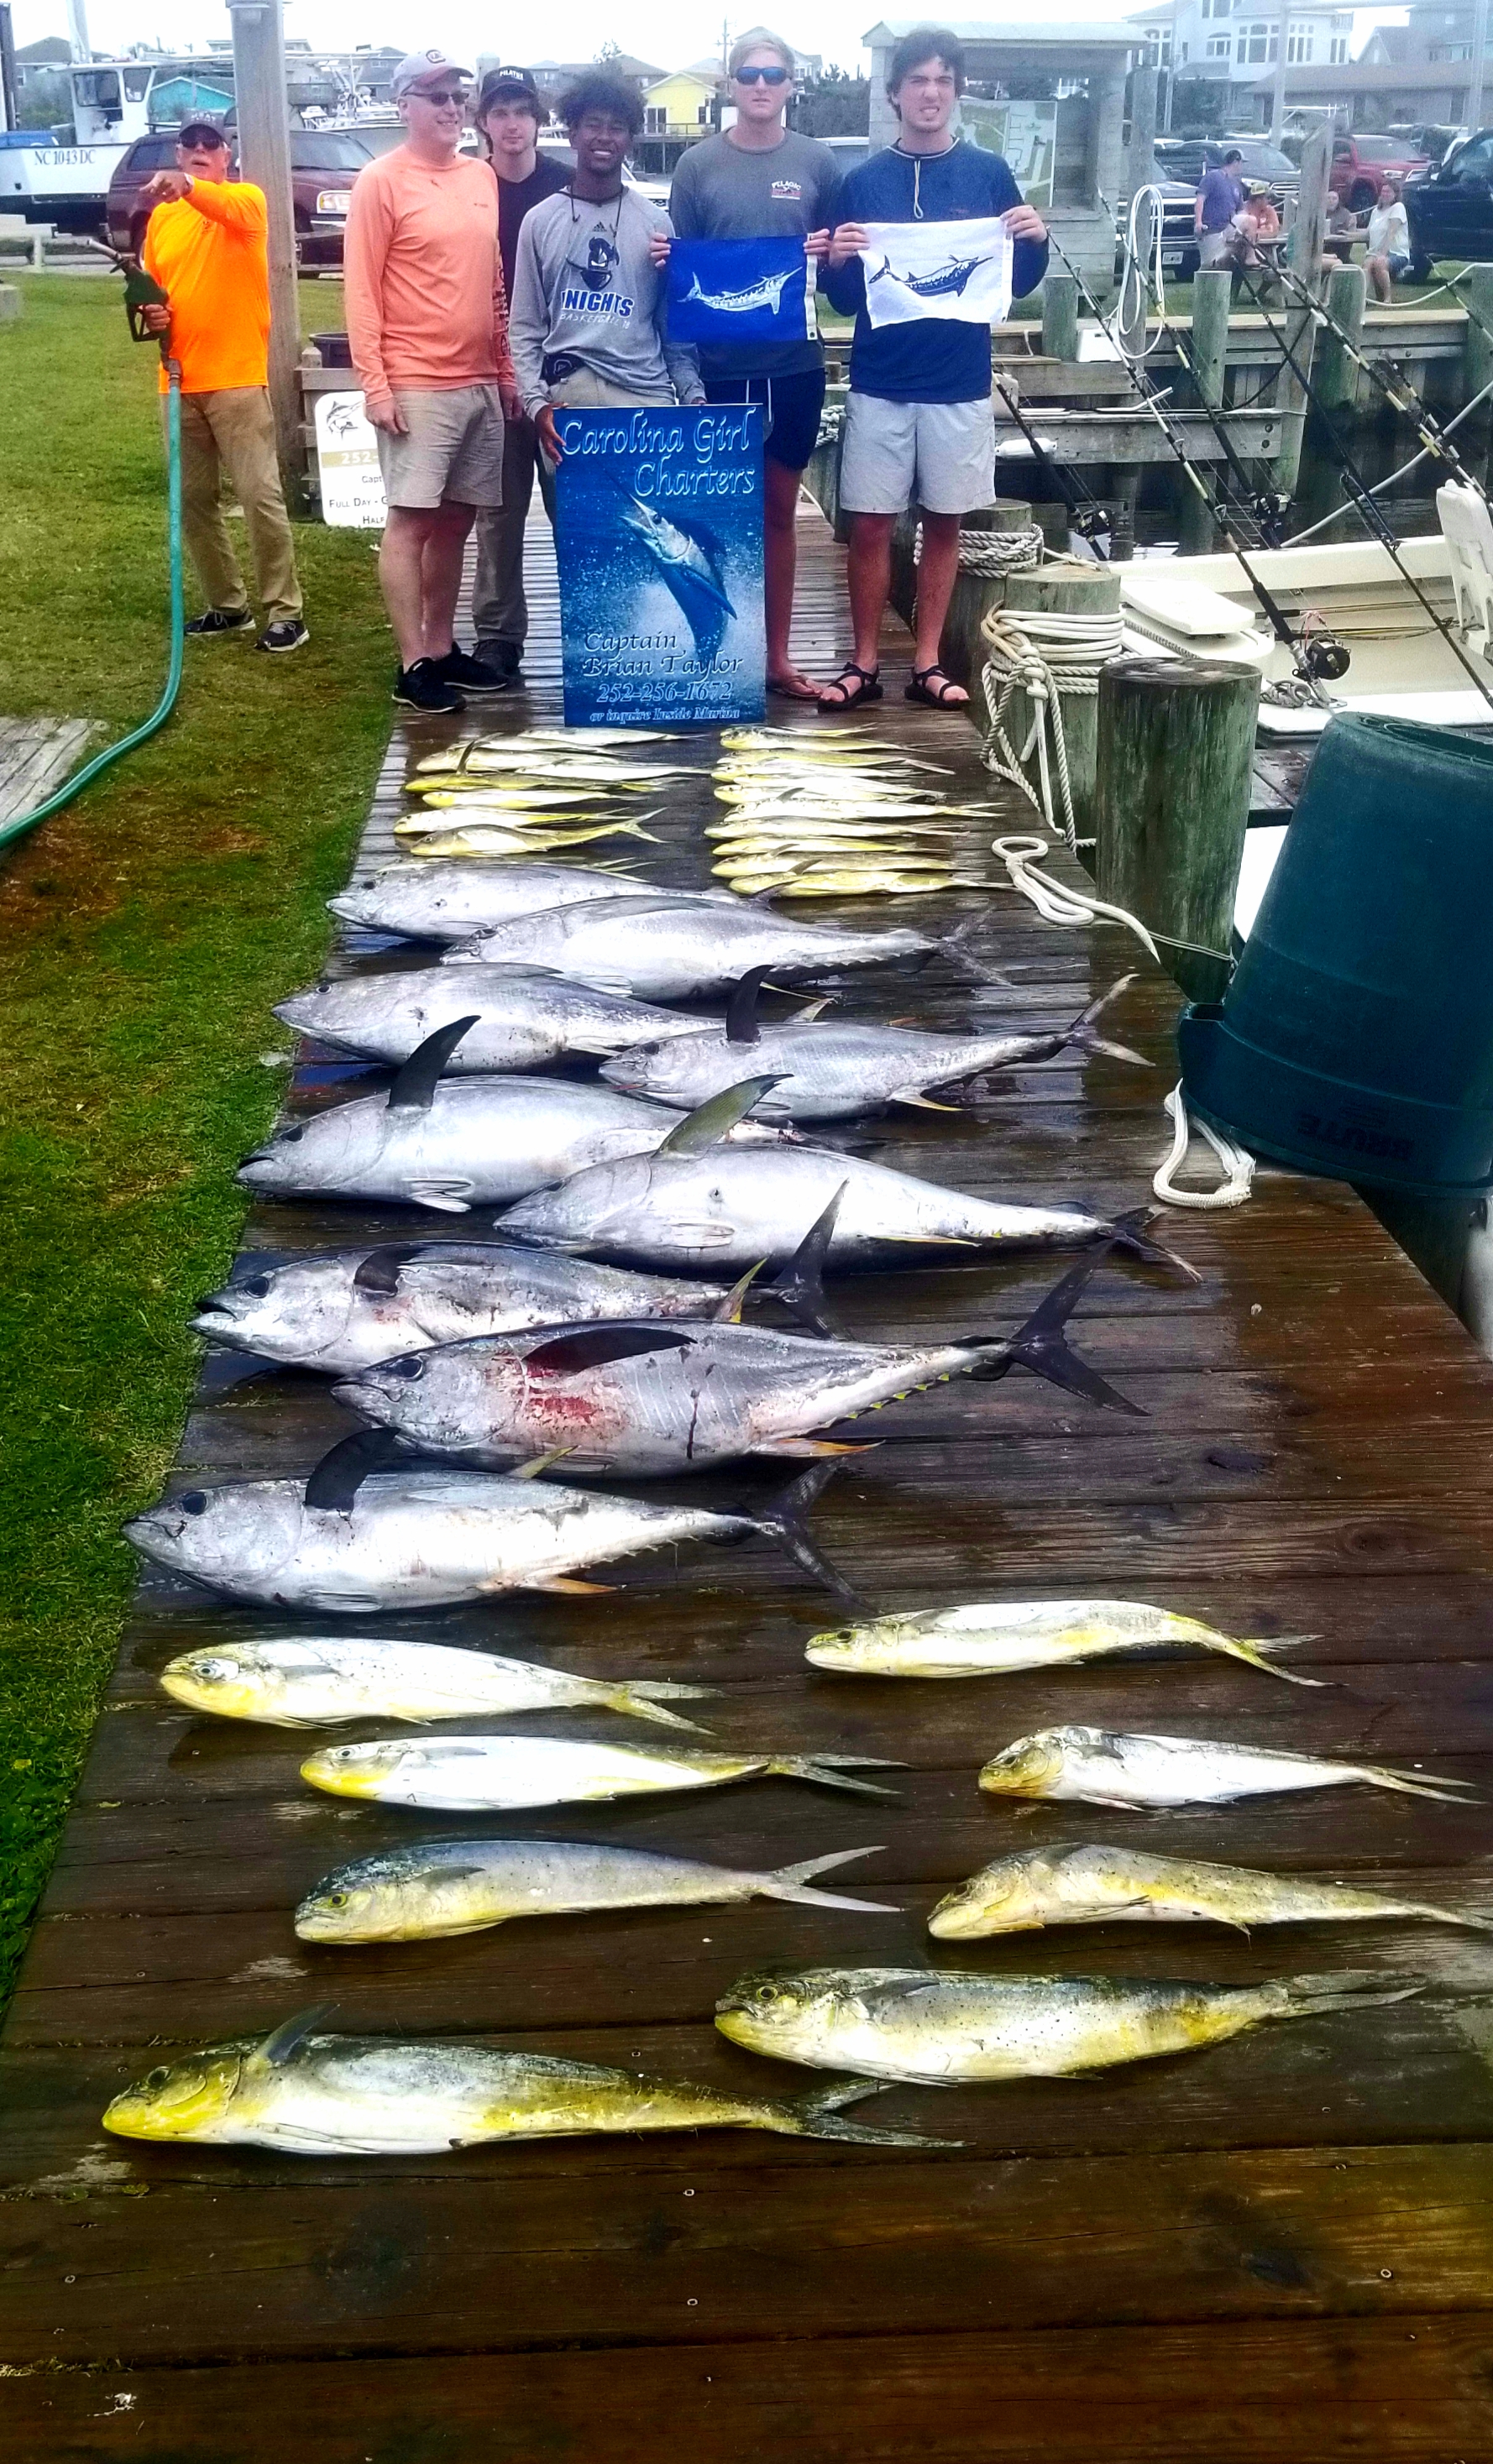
(1060, 316)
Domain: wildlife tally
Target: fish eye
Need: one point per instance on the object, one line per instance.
(412, 1365)
(338, 1899)
(289, 1137)
(154, 2080)
(258, 1285)
(195, 1501)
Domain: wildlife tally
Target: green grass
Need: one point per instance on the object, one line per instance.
(143, 932)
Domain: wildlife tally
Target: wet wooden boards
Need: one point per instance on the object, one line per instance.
(1279, 2251)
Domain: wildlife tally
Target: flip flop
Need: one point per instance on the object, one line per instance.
(948, 696)
(869, 683)
(790, 693)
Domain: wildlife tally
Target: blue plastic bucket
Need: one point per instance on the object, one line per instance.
(1356, 1035)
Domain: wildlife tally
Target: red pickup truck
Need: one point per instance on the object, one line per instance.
(1360, 163)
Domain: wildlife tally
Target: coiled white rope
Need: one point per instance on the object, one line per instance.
(1056, 902)
(1143, 283)
(1043, 656)
(1235, 1162)
(994, 553)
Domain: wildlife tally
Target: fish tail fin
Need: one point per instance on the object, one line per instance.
(646, 1701)
(1445, 1915)
(1451, 1792)
(1351, 1988)
(784, 1519)
(791, 1882)
(1042, 1344)
(636, 831)
(1257, 1654)
(799, 1284)
(817, 2116)
(1128, 1233)
(829, 1771)
(1081, 1032)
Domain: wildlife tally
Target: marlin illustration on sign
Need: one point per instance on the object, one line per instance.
(765, 292)
(689, 559)
(945, 281)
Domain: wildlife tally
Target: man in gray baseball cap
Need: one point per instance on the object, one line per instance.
(419, 68)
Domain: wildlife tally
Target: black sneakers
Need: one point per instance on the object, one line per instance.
(470, 675)
(288, 634)
(221, 620)
(424, 686)
(503, 658)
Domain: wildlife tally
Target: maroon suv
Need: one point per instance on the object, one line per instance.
(324, 163)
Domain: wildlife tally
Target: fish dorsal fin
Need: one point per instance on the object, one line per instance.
(284, 2042)
(334, 1485)
(592, 1347)
(537, 1463)
(379, 1270)
(727, 1311)
(741, 1018)
(705, 1128)
(415, 1082)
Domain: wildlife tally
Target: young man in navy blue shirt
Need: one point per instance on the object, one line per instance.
(919, 426)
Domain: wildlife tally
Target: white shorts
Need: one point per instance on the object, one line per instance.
(937, 454)
(453, 451)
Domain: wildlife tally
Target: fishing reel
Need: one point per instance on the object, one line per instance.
(1271, 511)
(1319, 655)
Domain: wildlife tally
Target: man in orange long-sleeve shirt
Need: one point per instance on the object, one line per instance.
(428, 326)
(206, 247)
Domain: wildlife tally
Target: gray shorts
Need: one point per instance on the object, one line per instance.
(937, 454)
(454, 449)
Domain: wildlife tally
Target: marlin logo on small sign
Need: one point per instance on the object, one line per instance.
(763, 294)
(944, 282)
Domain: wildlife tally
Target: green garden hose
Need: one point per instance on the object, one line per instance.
(12, 831)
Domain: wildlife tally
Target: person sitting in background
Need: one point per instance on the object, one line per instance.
(1388, 258)
(207, 245)
(588, 296)
(509, 114)
(1255, 224)
(1220, 193)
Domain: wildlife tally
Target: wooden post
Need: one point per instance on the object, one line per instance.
(1060, 316)
(1143, 127)
(264, 154)
(1067, 590)
(1305, 254)
(974, 593)
(1473, 437)
(1335, 377)
(1212, 294)
(1175, 748)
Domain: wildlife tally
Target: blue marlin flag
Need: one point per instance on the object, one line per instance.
(739, 291)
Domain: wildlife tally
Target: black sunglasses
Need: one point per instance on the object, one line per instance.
(762, 76)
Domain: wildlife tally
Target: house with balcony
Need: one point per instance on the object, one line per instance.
(682, 104)
(1233, 42)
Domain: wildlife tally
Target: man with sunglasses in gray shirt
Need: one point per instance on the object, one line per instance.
(760, 180)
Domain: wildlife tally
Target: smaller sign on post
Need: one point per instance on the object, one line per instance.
(658, 537)
(347, 461)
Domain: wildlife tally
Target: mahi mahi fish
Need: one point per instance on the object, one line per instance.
(506, 1775)
(1096, 1886)
(993, 1638)
(939, 2028)
(315, 1681)
(1103, 1767)
(308, 2094)
(649, 1400)
(694, 1203)
(453, 1144)
(341, 1310)
(667, 949)
(428, 898)
(449, 1886)
(353, 1541)
(834, 1070)
(525, 1015)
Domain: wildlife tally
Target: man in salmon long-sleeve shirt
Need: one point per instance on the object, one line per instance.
(427, 325)
(205, 245)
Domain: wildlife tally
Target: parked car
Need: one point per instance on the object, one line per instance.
(1265, 166)
(323, 166)
(1451, 213)
(1359, 163)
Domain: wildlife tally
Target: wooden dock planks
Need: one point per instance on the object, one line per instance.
(1279, 2249)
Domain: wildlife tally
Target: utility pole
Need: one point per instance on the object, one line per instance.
(1480, 45)
(8, 101)
(1278, 104)
(264, 155)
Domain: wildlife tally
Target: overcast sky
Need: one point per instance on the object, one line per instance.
(670, 32)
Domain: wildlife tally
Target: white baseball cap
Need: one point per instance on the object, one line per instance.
(418, 68)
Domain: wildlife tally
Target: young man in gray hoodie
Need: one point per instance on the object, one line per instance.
(586, 322)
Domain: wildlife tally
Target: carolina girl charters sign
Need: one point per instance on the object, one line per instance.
(658, 537)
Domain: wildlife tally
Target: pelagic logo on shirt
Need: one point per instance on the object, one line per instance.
(790, 191)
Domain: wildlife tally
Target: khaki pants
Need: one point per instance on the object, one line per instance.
(234, 430)
(499, 609)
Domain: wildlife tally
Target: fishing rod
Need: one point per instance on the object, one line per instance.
(1307, 658)
(1087, 516)
(1374, 519)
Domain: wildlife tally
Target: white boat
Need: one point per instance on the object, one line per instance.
(66, 183)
